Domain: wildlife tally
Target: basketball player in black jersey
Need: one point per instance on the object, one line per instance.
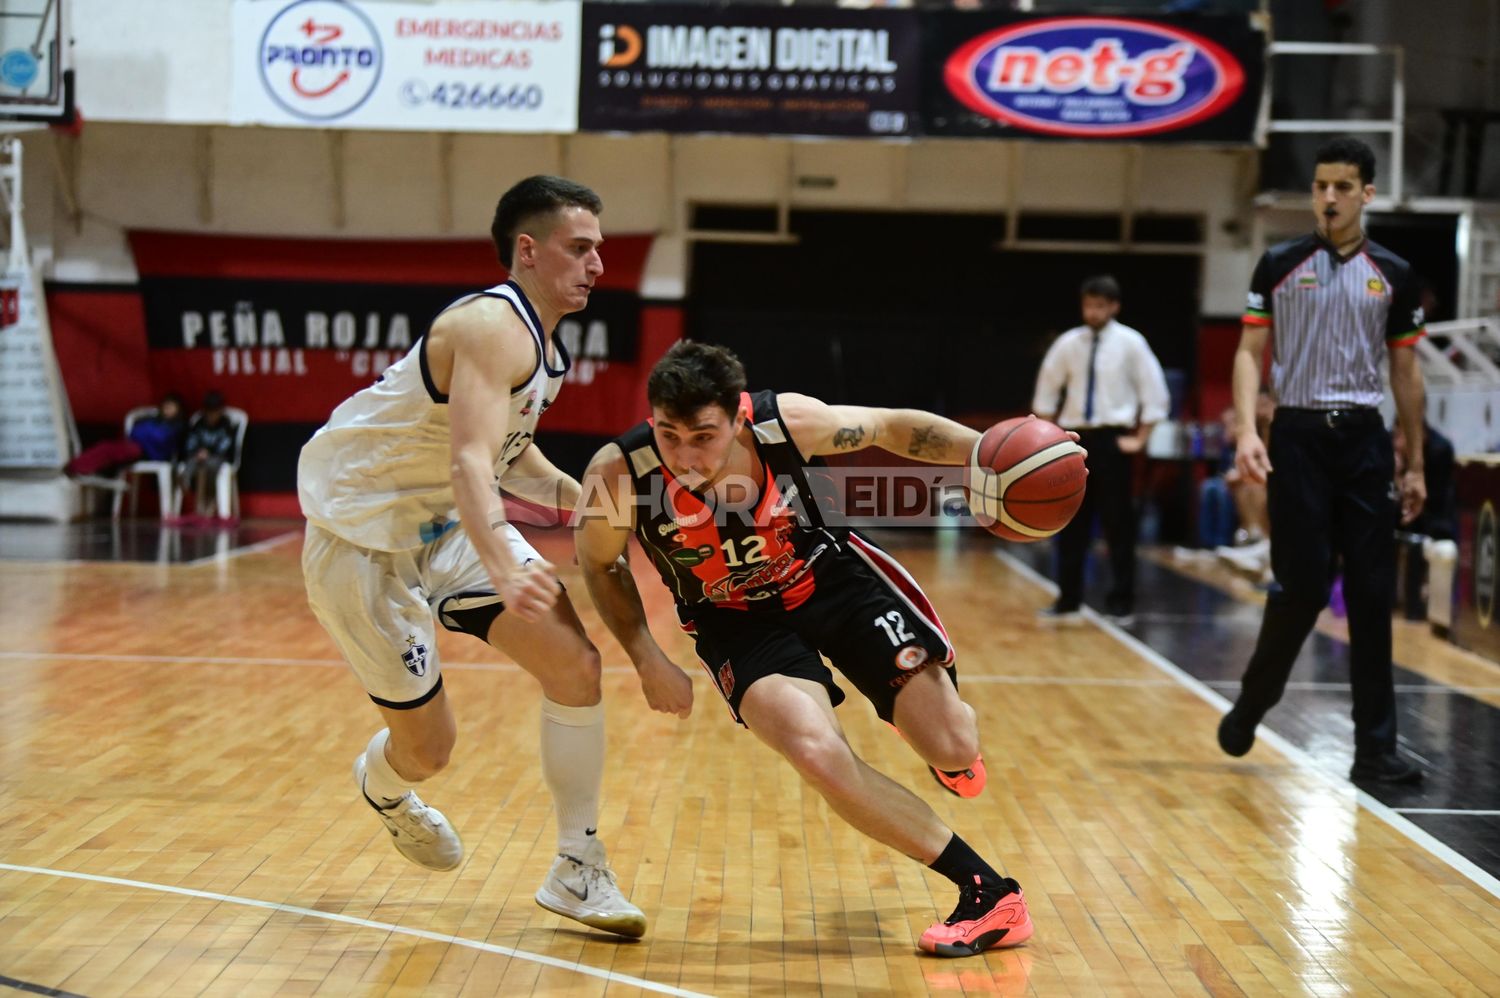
(715, 487)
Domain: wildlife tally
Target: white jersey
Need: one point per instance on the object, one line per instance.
(377, 473)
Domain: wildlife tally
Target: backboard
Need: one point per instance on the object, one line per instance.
(36, 61)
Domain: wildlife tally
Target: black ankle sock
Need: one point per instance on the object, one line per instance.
(959, 864)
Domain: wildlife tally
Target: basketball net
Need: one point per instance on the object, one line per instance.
(36, 423)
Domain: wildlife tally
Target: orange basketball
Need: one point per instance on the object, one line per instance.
(1025, 479)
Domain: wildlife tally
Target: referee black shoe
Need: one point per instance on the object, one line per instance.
(1388, 768)
(1236, 733)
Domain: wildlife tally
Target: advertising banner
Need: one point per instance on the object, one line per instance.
(35, 429)
(1186, 79)
(1477, 481)
(756, 70)
(292, 350)
(501, 66)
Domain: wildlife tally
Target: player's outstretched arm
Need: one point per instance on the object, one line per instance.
(488, 357)
(603, 521)
(536, 479)
(818, 428)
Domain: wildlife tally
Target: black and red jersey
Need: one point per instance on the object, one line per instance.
(762, 555)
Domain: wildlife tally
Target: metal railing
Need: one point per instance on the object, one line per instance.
(1395, 126)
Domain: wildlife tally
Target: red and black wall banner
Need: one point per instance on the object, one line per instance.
(287, 329)
(1173, 79)
(295, 348)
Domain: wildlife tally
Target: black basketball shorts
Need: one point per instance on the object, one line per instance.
(867, 616)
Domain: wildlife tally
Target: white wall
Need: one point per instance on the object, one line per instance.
(416, 185)
(152, 60)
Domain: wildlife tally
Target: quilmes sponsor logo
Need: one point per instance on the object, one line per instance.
(743, 57)
(320, 59)
(1094, 76)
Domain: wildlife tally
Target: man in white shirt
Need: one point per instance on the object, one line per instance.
(1102, 380)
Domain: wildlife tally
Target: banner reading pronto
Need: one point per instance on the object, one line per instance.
(1185, 79)
(751, 69)
(501, 66)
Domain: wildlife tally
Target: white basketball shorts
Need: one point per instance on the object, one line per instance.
(382, 608)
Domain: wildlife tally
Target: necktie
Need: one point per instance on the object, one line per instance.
(1088, 396)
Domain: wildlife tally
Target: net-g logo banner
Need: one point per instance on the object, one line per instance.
(1095, 77)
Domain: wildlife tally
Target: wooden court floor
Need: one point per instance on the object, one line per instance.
(179, 819)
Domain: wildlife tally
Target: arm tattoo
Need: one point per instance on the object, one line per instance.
(849, 437)
(927, 441)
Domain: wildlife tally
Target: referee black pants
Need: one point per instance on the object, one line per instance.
(1331, 495)
(1109, 496)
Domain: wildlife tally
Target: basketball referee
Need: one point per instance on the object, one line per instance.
(1332, 299)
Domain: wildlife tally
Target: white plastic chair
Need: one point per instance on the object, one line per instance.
(165, 483)
(227, 484)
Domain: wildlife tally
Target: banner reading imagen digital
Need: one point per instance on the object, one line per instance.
(502, 66)
(751, 69)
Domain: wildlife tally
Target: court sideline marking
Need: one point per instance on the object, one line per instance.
(332, 663)
(236, 552)
(1468, 812)
(1421, 837)
(366, 923)
(36, 989)
(1437, 689)
(216, 557)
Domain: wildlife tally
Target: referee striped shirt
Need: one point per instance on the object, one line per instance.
(1332, 319)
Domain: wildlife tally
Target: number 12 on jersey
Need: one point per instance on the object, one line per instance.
(754, 549)
(894, 625)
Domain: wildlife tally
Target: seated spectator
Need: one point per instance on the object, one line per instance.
(1217, 518)
(158, 436)
(1250, 551)
(209, 444)
(152, 438)
(1439, 516)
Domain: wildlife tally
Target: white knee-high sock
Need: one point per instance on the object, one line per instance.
(383, 784)
(572, 753)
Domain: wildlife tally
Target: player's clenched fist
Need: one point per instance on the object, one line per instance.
(530, 591)
(668, 689)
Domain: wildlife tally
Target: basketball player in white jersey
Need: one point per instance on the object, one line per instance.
(386, 559)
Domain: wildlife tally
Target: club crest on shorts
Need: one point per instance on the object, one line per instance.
(415, 656)
(910, 657)
(726, 679)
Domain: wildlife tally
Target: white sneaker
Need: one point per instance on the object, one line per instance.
(585, 891)
(420, 833)
(1251, 559)
(1250, 535)
(1051, 615)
